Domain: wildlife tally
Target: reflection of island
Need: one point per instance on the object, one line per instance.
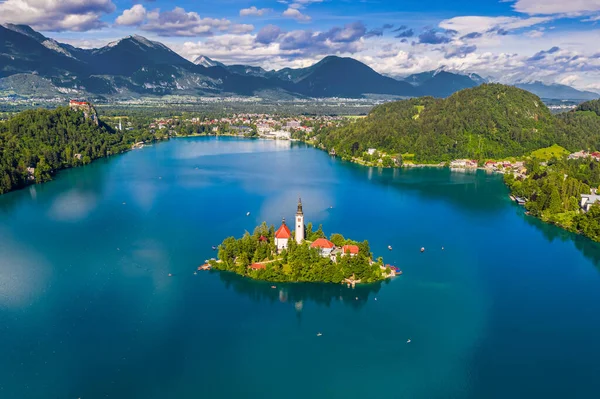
(298, 294)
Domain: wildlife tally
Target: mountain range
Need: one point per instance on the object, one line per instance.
(33, 65)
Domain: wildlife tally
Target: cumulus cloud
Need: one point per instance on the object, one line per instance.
(405, 33)
(268, 34)
(177, 22)
(132, 17)
(460, 51)
(378, 32)
(254, 12)
(431, 36)
(56, 15)
(296, 14)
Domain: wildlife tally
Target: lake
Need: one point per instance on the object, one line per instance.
(510, 308)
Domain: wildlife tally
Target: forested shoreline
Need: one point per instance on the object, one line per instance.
(35, 144)
(491, 121)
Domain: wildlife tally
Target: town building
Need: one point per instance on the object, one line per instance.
(587, 200)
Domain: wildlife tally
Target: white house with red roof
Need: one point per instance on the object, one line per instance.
(324, 246)
(351, 250)
(282, 236)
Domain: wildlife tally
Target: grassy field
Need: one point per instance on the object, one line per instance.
(546, 154)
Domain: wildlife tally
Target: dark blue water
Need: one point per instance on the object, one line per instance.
(509, 309)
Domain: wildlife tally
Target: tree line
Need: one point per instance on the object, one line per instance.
(35, 144)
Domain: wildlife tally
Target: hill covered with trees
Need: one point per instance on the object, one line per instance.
(35, 144)
(486, 122)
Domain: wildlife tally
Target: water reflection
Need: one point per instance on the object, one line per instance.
(589, 248)
(473, 191)
(297, 294)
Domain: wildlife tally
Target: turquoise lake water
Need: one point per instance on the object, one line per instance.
(509, 309)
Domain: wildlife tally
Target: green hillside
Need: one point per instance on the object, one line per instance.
(51, 140)
(488, 121)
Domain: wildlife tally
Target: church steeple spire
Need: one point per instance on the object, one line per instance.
(299, 223)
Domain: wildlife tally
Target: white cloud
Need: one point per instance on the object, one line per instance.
(241, 28)
(132, 17)
(56, 15)
(568, 80)
(178, 22)
(550, 7)
(468, 24)
(296, 14)
(254, 12)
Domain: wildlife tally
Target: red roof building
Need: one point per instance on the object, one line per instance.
(322, 243)
(283, 232)
(257, 266)
(282, 235)
(350, 249)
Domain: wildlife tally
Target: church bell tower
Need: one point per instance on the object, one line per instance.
(299, 223)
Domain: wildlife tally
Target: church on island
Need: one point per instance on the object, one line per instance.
(268, 254)
(326, 247)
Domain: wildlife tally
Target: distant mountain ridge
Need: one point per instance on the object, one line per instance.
(441, 83)
(557, 91)
(33, 65)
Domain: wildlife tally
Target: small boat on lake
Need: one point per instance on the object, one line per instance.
(408, 341)
(422, 249)
(214, 248)
(390, 247)
(247, 213)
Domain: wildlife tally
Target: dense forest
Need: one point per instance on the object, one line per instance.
(299, 262)
(553, 190)
(490, 121)
(35, 144)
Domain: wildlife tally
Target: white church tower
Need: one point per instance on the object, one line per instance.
(299, 223)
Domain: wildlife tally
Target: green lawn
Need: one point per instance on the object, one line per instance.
(546, 154)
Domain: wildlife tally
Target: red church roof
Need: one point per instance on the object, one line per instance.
(322, 243)
(283, 231)
(353, 249)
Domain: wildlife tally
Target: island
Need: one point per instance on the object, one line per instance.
(299, 256)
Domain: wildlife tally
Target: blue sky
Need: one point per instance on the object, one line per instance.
(509, 40)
